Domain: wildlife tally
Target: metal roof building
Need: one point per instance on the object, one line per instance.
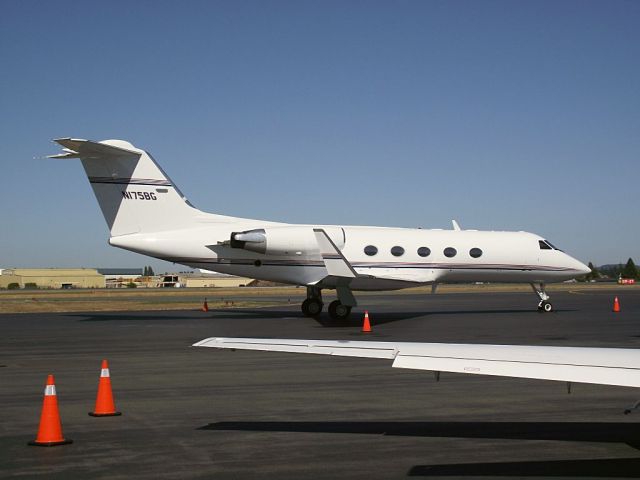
(52, 278)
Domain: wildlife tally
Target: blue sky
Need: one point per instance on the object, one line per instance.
(503, 115)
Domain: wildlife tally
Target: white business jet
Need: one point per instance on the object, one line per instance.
(147, 214)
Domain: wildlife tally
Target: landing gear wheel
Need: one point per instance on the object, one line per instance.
(545, 306)
(311, 307)
(338, 311)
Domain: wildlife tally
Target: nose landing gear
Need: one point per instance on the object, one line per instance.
(544, 305)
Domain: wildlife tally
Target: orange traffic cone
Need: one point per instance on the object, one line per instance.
(105, 407)
(366, 326)
(50, 430)
(205, 306)
(616, 305)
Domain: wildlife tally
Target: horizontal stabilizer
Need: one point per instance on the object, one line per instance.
(79, 148)
(606, 366)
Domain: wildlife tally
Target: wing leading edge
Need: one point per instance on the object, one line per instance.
(605, 366)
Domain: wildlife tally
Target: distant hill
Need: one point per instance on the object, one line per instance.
(610, 267)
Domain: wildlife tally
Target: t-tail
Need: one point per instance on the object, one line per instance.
(134, 193)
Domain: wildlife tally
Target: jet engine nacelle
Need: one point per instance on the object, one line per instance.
(284, 240)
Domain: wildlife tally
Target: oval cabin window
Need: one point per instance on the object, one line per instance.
(424, 251)
(475, 252)
(370, 250)
(397, 251)
(450, 252)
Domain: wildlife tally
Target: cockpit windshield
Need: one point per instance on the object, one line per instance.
(552, 245)
(544, 245)
(547, 245)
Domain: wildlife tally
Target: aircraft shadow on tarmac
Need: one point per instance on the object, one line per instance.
(133, 316)
(324, 319)
(591, 468)
(559, 431)
(354, 321)
(376, 318)
(551, 431)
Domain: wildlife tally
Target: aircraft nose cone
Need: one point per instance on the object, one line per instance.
(582, 268)
(576, 266)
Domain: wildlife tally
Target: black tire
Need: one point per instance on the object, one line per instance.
(338, 311)
(311, 307)
(547, 307)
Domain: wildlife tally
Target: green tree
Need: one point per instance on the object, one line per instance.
(593, 274)
(617, 270)
(630, 270)
(148, 271)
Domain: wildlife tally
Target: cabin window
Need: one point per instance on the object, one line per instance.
(544, 245)
(424, 251)
(370, 250)
(475, 252)
(397, 251)
(450, 252)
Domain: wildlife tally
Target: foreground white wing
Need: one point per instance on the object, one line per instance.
(606, 366)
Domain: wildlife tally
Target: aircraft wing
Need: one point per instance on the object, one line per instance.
(411, 276)
(335, 262)
(606, 366)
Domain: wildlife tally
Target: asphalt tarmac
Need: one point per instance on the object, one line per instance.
(203, 413)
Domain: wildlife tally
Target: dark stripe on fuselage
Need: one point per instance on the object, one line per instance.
(386, 265)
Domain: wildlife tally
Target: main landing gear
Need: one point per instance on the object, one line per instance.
(338, 310)
(312, 306)
(544, 305)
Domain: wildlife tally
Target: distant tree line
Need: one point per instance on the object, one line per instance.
(628, 270)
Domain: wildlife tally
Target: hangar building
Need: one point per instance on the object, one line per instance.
(52, 278)
(121, 277)
(191, 280)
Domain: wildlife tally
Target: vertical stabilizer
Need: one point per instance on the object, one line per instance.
(135, 195)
